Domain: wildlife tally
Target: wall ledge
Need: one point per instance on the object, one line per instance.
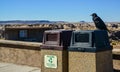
(20, 44)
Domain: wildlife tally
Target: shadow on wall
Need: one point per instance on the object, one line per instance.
(115, 70)
(116, 56)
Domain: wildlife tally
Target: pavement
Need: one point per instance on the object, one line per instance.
(9, 67)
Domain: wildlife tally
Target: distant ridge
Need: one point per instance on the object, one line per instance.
(30, 22)
(44, 22)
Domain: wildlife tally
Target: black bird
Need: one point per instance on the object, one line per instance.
(99, 22)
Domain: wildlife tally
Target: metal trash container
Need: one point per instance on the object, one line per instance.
(54, 52)
(90, 51)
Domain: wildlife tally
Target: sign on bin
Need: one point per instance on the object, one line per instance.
(50, 61)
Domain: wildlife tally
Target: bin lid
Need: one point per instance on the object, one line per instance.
(90, 40)
(57, 38)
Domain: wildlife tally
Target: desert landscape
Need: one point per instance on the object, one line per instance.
(114, 27)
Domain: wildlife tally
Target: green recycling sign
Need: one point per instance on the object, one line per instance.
(50, 61)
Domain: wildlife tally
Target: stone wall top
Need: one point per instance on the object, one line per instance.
(20, 44)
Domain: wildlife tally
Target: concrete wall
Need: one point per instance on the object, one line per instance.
(29, 53)
(24, 53)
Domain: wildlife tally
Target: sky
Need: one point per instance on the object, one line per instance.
(59, 10)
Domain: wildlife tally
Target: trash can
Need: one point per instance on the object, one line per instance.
(90, 51)
(54, 52)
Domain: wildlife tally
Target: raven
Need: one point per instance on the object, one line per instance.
(99, 22)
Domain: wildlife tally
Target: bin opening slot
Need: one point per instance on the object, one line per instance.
(51, 37)
(84, 37)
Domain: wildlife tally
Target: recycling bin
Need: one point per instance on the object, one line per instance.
(54, 52)
(90, 51)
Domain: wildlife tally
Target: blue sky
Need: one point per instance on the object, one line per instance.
(59, 10)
